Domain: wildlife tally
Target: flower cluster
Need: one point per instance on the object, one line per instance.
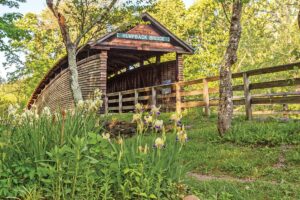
(145, 120)
(18, 118)
(179, 129)
(93, 104)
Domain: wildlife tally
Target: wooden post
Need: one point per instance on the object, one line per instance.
(178, 98)
(120, 102)
(103, 79)
(179, 67)
(285, 108)
(106, 104)
(247, 94)
(206, 97)
(136, 97)
(153, 96)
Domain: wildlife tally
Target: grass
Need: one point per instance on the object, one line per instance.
(266, 152)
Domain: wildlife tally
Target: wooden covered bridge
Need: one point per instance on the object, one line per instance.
(116, 62)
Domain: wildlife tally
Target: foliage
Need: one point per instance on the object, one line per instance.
(7, 26)
(63, 156)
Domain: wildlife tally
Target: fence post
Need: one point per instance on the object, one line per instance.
(206, 97)
(120, 102)
(153, 96)
(285, 108)
(178, 98)
(136, 97)
(106, 104)
(247, 94)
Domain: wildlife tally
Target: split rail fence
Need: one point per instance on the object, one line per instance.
(204, 92)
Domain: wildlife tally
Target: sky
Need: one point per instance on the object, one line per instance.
(36, 6)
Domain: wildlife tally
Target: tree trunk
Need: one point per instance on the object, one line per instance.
(76, 90)
(225, 111)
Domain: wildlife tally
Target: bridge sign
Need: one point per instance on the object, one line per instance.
(143, 37)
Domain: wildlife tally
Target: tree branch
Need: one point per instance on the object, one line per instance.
(224, 10)
(96, 21)
(61, 21)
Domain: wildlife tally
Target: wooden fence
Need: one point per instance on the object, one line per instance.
(204, 92)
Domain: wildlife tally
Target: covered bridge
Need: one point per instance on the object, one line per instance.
(116, 62)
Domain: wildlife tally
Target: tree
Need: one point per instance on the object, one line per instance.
(225, 110)
(7, 26)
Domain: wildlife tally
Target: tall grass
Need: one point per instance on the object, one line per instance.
(67, 155)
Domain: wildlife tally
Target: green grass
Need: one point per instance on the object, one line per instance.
(251, 150)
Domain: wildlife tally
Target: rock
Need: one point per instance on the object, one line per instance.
(191, 197)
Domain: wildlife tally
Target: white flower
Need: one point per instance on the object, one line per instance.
(80, 104)
(176, 117)
(106, 136)
(148, 119)
(155, 110)
(136, 117)
(159, 143)
(138, 107)
(97, 93)
(158, 124)
(13, 109)
(182, 135)
(46, 111)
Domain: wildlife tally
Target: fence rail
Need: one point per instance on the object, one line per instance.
(186, 94)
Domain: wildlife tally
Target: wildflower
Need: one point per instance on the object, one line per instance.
(97, 94)
(106, 136)
(159, 143)
(120, 141)
(158, 125)
(138, 107)
(155, 110)
(98, 102)
(93, 107)
(12, 109)
(176, 117)
(136, 117)
(80, 104)
(144, 150)
(46, 111)
(182, 135)
(148, 119)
